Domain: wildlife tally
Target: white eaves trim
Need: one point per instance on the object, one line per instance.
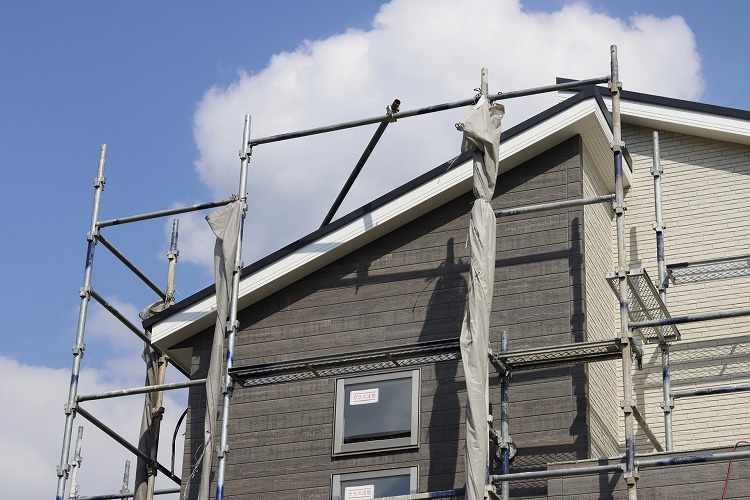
(317, 254)
(688, 122)
(578, 119)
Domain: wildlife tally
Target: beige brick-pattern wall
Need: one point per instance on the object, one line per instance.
(706, 194)
(601, 308)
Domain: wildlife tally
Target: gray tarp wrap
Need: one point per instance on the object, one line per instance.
(149, 430)
(225, 224)
(481, 128)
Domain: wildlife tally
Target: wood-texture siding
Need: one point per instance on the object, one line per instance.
(408, 286)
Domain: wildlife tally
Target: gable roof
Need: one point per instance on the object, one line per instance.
(585, 113)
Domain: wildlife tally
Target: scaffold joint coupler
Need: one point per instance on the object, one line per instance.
(619, 207)
(62, 471)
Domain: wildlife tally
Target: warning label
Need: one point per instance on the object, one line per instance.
(364, 397)
(359, 492)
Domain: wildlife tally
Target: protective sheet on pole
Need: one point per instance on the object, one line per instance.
(225, 224)
(147, 435)
(481, 129)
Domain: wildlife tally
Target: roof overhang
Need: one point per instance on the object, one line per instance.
(687, 121)
(680, 116)
(586, 117)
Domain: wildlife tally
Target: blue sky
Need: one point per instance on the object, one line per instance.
(129, 75)
(139, 77)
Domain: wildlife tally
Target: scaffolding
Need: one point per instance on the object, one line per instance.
(644, 319)
(156, 360)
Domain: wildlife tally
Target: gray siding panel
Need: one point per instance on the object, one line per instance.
(405, 287)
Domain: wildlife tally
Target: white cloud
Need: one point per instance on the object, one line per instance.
(195, 242)
(101, 324)
(423, 58)
(33, 427)
(37, 393)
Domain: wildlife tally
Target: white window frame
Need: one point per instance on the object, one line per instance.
(336, 479)
(412, 441)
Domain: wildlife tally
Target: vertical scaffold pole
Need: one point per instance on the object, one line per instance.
(504, 417)
(228, 385)
(76, 465)
(125, 479)
(484, 89)
(667, 403)
(79, 346)
(153, 410)
(631, 475)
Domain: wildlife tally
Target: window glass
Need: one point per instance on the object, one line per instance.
(377, 412)
(377, 484)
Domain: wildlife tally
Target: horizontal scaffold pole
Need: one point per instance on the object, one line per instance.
(554, 205)
(693, 459)
(426, 110)
(114, 496)
(142, 390)
(707, 391)
(428, 496)
(541, 474)
(134, 450)
(153, 286)
(165, 213)
(643, 464)
(690, 318)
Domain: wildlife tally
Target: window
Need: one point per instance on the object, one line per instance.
(375, 484)
(377, 412)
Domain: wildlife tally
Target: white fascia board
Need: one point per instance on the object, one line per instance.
(407, 207)
(688, 122)
(317, 254)
(585, 118)
(559, 127)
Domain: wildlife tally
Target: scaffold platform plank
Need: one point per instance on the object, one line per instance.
(644, 304)
(364, 361)
(707, 270)
(418, 354)
(567, 354)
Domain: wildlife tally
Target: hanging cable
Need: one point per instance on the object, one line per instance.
(729, 468)
(174, 436)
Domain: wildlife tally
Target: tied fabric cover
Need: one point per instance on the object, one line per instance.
(481, 130)
(225, 224)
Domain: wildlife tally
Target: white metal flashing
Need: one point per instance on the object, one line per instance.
(688, 122)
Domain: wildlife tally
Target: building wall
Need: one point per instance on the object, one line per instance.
(410, 286)
(699, 480)
(706, 194)
(601, 316)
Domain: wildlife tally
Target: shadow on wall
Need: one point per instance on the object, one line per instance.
(443, 431)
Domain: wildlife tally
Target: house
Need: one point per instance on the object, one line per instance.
(347, 370)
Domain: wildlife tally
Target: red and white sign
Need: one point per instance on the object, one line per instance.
(364, 397)
(359, 492)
